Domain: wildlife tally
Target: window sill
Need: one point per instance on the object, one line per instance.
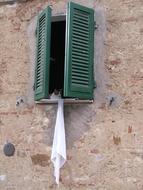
(66, 101)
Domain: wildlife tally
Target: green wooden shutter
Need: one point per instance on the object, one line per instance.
(78, 77)
(43, 55)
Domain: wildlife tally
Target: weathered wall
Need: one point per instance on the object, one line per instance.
(105, 147)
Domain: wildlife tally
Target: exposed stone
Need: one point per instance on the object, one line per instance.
(116, 140)
(40, 159)
(104, 143)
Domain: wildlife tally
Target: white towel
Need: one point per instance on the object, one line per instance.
(58, 156)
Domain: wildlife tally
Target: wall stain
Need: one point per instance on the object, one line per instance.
(139, 154)
(130, 130)
(41, 160)
(116, 140)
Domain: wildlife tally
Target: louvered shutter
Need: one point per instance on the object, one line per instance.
(43, 55)
(78, 78)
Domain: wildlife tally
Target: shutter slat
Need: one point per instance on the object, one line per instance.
(81, 31)
(79, 58)
(79, 71)
(78, 23)
(79, 44)
(79, 52)
(80, 48)
(81, 68)
(80, 83)
(80, 15)
(76, 39)
(82, 20)
(80, 62)
(79, 37)
(79, 75)
(43, 54)
(80, 34)
(81, 28)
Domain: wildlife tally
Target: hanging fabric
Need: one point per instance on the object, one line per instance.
(58, 156)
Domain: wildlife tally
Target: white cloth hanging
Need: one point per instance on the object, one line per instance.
(58, 156)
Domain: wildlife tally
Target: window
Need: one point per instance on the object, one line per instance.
(65, 54)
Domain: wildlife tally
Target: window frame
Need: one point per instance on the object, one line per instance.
(66, 100)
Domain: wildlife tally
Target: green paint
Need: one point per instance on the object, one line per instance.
(43, 55)
(79, 52)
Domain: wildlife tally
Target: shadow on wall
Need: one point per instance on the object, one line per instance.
(77, 117)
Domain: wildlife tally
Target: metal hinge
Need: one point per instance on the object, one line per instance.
(34, 87)
(36, 32)
(94, 84)
(95, 25)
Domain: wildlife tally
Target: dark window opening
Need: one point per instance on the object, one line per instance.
(57, 57)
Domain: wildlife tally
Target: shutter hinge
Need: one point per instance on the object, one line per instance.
(34, 87)
(95, 26)
(51, 6)
(94, 84)
(36, 32)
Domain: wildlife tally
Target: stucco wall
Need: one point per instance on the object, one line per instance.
(105, 146)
